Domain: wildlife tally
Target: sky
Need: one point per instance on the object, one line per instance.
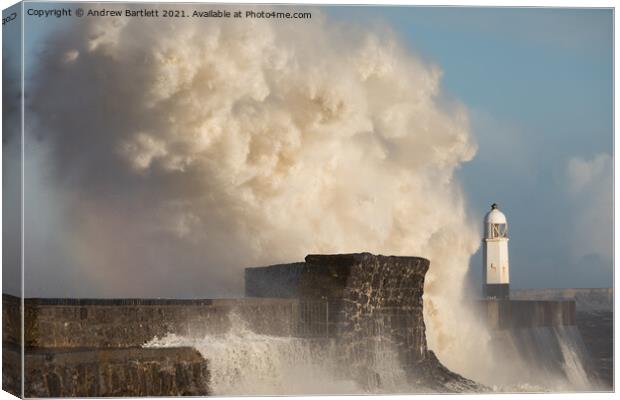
(539, 86)
(536, 85)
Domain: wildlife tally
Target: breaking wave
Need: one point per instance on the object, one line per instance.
(243, 362)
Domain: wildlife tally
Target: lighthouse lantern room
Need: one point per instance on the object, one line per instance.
(495, 255)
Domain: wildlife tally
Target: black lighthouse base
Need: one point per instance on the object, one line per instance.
(496, 291)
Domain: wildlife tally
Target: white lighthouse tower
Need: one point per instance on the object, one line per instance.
(495, 259)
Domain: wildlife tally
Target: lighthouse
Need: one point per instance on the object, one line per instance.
(495, 255)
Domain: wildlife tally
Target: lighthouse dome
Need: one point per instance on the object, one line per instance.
(495, 216)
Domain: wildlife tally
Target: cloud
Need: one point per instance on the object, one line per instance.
(584, 174)
(589, 184)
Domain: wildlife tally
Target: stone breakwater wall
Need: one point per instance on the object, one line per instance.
(520, 314)
(371, 300)
(362, 301)
(546, 335)
(103, 323)
(109, 372)
(91, 347)
(366, 294)
(586, 299)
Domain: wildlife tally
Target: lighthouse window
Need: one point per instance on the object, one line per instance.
(497, 230)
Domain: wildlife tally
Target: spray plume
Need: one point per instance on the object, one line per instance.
(179, 152)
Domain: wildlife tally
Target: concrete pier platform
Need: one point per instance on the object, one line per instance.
(542, 337)
(511, 314)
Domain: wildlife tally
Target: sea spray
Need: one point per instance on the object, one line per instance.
(207, 148)
(375, 307)
(243, 362)
(543, 358)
